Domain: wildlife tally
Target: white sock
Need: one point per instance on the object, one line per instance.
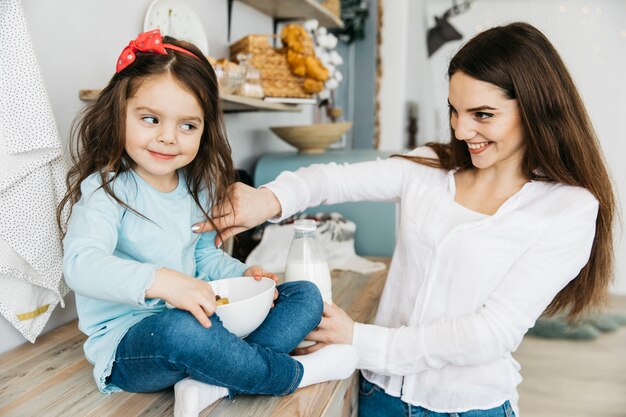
(191, 397)
(327, 364)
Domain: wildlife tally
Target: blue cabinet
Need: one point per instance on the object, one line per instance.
(376, 222)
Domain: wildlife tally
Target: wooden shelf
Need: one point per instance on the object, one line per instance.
(297, 9)
(88, 95)
(230, 103)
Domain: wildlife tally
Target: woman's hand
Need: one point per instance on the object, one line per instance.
(245, 208)
(257, 273)
(184, 292)
(336, 327)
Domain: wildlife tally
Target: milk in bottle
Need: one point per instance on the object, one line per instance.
(306, 261)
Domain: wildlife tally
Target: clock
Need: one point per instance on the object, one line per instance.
(175, 18)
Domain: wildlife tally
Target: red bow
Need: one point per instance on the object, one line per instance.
(146, 42)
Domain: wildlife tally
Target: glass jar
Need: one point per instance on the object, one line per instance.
(306, 261)
(230, 76)
(251, 86)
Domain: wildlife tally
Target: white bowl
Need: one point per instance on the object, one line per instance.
(249, 302)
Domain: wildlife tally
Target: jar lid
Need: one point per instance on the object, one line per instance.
(307, 225)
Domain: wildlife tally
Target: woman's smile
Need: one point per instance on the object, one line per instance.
(478, 147)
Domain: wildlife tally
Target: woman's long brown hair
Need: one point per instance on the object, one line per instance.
(98, 134)
(561, 144)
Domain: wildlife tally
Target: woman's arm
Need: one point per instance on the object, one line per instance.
(245, 208)
(291, 192)
(494, 330)
(332, 183)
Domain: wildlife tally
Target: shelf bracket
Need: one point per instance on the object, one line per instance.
(230, 16)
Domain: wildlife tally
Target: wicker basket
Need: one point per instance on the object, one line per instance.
(276, 77)
(333, 5)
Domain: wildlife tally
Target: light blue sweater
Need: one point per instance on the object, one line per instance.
(111, 255)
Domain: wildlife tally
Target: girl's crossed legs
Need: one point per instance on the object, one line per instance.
(165, 348)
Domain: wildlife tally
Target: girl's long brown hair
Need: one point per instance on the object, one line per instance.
(561, 144)
(98, 134)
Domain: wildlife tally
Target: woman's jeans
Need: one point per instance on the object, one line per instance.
(374, 402)
(165, 348)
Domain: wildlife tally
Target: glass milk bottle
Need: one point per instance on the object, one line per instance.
(305, 260)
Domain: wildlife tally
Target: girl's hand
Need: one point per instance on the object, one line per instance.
(336, 327)
(245, 208)
(257, 273)
(184, 292)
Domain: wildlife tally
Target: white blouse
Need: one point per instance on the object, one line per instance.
(457, 300)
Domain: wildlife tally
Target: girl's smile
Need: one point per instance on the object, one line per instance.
(163, 156)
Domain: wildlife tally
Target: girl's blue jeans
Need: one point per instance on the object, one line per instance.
(165, 348)
(375, 402)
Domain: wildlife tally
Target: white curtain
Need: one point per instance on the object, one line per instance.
(32, 176)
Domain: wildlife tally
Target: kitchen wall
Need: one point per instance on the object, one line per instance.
(77, 43)
(590, 35)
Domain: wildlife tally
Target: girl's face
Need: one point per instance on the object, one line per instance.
(487, 121)
(164, 124)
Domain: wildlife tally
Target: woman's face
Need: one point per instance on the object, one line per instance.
(487, 121)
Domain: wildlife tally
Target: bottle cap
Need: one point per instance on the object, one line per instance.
(306, 225)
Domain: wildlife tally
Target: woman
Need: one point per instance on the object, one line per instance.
(512, 218)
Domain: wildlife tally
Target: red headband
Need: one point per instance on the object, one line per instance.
(146, 42)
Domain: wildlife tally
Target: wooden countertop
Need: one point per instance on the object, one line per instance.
(52, 378)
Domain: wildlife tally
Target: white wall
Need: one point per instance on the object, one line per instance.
(77, 43)
(590, 36)
(394, 63)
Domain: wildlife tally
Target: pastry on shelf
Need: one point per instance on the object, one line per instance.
(301, 58)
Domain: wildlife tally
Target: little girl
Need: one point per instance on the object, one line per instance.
(150, 159)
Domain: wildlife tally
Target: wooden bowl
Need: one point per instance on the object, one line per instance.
(312, 138)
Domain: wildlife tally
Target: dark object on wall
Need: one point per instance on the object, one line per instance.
(412, 127)
(444, 31)
(353, 13)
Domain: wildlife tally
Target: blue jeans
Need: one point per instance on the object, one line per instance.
(374, 402)
(165, 348)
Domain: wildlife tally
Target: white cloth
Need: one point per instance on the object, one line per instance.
(459, 214)
(335, 237)
(32, 178)
(456, 302)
